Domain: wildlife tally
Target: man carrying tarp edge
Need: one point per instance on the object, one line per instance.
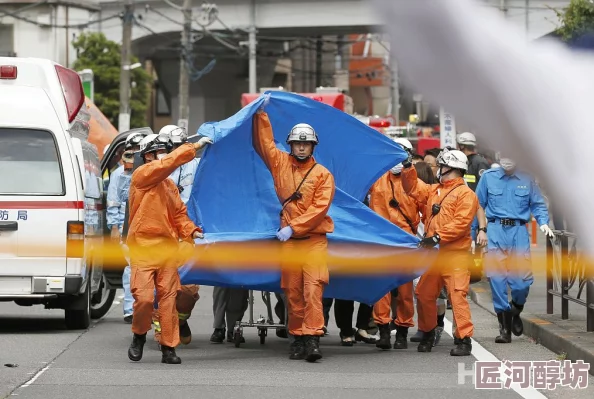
(305, 190)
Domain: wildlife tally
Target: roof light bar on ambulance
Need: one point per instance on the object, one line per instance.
(8, 72)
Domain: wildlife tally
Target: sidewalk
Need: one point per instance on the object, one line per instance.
(568, 338)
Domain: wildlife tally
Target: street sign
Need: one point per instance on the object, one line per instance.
(447, 131)
(87, 77)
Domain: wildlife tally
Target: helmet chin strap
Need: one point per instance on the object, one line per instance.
(301, 159)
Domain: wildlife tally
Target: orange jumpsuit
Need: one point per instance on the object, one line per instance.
(158, 219)
(459, 205)
(308, 217)
(389, 187)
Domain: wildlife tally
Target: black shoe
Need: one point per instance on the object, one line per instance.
(312, 349)
(169, 355)
(517, 327)
(427, 341)
(463, 348)
(347, 339)
(218, 336)
(417, 337)
(297, 349)
(136, 348)
(230, 338)
(367, 338)
(505, 322)
(326, 333)
(282, 333)
(185, 334)
(401, 334)
(128, 319)
(384, 341)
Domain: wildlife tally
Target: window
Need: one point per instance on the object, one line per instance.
(29, 163)
(6, 41)
(162, 103)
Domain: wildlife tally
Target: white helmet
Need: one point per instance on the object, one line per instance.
(466, 139)
(177, 134)
(453, 158)
(404, 143)
(302, 132)
(154, 142)
(134, 139)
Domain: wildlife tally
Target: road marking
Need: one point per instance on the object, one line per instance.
(483, 355)
(36, 376)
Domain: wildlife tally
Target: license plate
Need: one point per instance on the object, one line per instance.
(15, 285)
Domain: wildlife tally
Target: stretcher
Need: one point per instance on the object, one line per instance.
(263, 324)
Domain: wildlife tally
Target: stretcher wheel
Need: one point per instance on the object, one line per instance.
(262, 333)
(237, 338)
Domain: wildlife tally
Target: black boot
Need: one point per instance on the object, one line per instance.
(135, 350)
(517, 327)
(384, 341)
(169, 355)
(505, 321)
(297, 349)
(427, 341)
(218, 336)
(463, 347)
(312, 349)
(401, 334)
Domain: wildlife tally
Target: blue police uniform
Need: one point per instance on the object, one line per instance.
(117, 196)
(508, 202)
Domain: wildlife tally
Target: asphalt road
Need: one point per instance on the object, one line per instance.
(56, 363)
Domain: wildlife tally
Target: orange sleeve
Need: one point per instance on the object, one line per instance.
(152, 173)
(315, 214)
(184, 225)
(459, 226)
(263, 140)
(415, 187)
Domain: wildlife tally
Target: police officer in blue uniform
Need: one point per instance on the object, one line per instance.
(507, 198)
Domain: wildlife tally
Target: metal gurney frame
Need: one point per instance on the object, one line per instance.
(263, 324)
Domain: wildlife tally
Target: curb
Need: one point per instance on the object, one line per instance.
(547, 334)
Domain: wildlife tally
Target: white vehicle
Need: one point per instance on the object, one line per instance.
(51, 193)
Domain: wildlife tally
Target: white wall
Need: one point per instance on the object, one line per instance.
(31, 40)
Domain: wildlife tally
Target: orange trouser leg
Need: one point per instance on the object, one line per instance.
(405, 306)
(167, 287)
(304, 289)
(142, 287)
(457, 281)
(427, 292)
(185, 301)
(381, 310)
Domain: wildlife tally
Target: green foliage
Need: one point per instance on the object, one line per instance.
(577, 19)
(95, 52)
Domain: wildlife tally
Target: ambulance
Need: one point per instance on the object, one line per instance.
(51, 194)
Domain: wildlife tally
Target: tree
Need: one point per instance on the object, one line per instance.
(577, 19)
(94, 51)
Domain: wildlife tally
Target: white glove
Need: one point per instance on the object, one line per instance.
(285, 233)
(547, 230)
(203, 141)
(197, 234)
(266, 101)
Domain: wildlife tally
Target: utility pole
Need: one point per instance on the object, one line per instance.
(184, 71)
(124, 117)
(252, 48)
(395, 88)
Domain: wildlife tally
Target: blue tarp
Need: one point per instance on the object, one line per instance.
(233, 196)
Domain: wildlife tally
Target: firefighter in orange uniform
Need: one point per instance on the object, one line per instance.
(450, 207)
(305, 190)
(388, 199)
(158, 221)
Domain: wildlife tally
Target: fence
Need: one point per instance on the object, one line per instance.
(566, 271)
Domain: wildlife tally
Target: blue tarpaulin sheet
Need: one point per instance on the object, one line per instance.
(233, 196)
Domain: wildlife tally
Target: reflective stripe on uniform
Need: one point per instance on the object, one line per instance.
(470, 178)
(183, 316)
(113, 203)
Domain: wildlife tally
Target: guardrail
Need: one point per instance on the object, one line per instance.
(566, 271)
